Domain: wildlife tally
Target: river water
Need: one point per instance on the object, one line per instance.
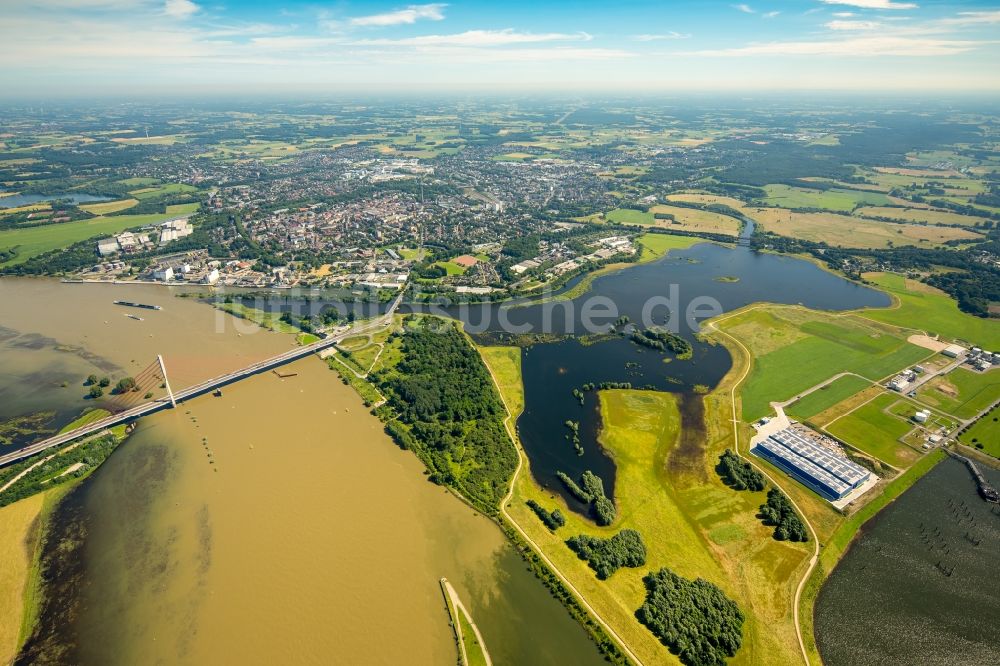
(277, 523)
(919, 585)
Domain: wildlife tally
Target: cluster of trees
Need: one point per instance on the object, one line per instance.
(91, 454)
(602, 509)
(578, 394)
(574, 432)
(738, 473)
(552, 519)
(443, 406)
(663, 340)
(606, 556)
(779, 512)
(694, 619)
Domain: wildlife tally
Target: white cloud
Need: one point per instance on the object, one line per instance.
(843, 14)
(479, 38)
(770, 14)
(972, 18)
(873, 4)
(853, 47)
(180, 8)
(746, 9)
(853, 25)
(661, 36)
(412, 14)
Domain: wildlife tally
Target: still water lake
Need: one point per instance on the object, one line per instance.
(891, 601)
(17, 200)
(659, 293)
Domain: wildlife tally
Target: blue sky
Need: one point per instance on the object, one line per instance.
(50, 47)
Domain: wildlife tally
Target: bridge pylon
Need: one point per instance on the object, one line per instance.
(166, 382)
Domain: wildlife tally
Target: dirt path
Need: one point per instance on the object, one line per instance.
(736, 446)
(456, 601)
(521, 455)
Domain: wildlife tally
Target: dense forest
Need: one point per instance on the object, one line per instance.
(694, 619)
(443, 406)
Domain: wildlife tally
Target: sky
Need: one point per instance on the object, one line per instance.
(51, 48)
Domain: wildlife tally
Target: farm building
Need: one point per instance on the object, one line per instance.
(830, 475)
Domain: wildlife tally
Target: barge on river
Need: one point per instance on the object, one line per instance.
(144, 306)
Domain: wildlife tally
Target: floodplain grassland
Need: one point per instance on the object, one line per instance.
(985, 433)
(18, 534)
(654, 245)
(692, 219)
(962, 392)
(160, 190)
(872, 428)
(918, 215)
(106, 207)
(795, 349)
(33, 241)
(630, 216)
(839, 200)
(826, 397)
(922, 308)
(847, 231)
(713, 532)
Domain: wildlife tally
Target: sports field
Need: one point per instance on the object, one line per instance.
(962, 393)
(826, 397)
(795, 349)
(855, 232)
(32, 241)
(927, 309)
(872, 429)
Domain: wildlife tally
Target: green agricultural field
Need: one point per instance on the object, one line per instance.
(818, 401)
(933, 311)
(33, 241)
(985, 434)
(843, 201)
(873, 430)
(655, 246)
(109, 206)
(630, 216)
(157, 191)
(963, 393)
(795, 349)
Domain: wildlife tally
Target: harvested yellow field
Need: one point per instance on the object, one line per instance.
(855, 232)
(105, 207)
(16, 553)
(920, 215)
(707, 199)
(167, 140)
(926, 173)
(692, 219)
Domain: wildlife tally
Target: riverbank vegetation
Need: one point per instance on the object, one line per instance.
(441, 404)
(606, 556)
(694, 619)
(663, 340)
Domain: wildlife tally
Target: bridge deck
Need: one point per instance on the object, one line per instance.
(198, 389)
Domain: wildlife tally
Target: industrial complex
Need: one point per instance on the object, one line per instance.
(832, 476)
